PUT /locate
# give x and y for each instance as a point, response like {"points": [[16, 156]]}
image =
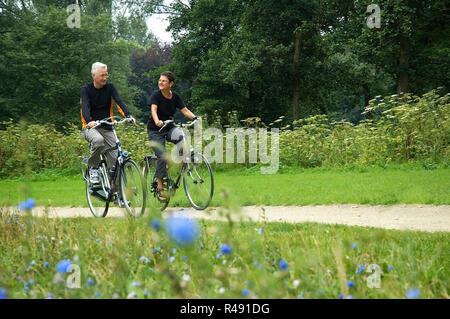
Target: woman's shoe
{"points": [[160, 195]]}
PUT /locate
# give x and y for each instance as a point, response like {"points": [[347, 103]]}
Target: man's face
{"points": [[100, 77]]}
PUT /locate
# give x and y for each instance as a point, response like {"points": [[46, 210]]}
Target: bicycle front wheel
{"points": [[198, 181], [97, 198], [132, 189]]}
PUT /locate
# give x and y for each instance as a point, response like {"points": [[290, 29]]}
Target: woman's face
{"points": [[164, 83]]}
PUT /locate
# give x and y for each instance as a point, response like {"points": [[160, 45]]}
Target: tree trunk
{"points": [[296, 73], [403, 65]]}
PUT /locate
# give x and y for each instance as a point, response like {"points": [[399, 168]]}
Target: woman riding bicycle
{"points": [[163, 105]]}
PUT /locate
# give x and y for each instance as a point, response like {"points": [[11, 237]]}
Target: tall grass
{"points": [[120, 258]]}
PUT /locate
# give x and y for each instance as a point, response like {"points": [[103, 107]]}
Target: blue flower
{"points": [[32, 263], [155, 250], [184, 258], [183, 231], [283, 264], [155, 224], [171, 259], [49, 296], [260, 230], [136, 284], [30, 282], [341, 296], [413, 293], [390, 268], [22, 206], [174, 251], [143, 259], [90, 282], [63, 265], [361, 268], [3, 293], [245, 292], [350, 284], [299, 297], [30, 203], [226, 249], [98, 294], [150, 269], [354, 245]]}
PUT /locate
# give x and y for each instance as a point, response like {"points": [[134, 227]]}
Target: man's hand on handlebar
{"points": [[92, 124]]}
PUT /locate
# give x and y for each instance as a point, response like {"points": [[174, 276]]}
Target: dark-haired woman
{"points": [[163, 105]]}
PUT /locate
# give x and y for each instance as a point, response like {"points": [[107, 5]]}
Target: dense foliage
{"points": [[398, 129]]}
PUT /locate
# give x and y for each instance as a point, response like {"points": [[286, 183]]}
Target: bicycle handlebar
{"points": [[114, 122], [167, 122]]}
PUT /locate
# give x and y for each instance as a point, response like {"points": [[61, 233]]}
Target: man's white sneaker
{"points": [[93, 176]]}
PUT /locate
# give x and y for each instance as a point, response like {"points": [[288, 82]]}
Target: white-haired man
{"points": [[96, 104]]}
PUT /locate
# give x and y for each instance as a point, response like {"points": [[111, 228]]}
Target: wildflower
{"points": [[136, 284], [171, 259], [174, 251], [155, 250], [3, 293], [155, 224], [390, 268], [150, 269], [361, 268], [349, 297], [354, 246], [90, 282], [221, 290], [22, 206], [186, 278], [413, 293], [226, 249], [183, 231], [245, 292], [32, 263], [49, 296], [283, 264], [132, 295], [260, 230], [143, 259], [62, 266], [341, 296], [299, 297], [98, 294], [184, 258], [146, 292], [350, 284], [30, 203]]}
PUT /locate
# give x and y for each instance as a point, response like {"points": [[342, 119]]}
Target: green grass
{"points": [[320, 260], [373, 185]]}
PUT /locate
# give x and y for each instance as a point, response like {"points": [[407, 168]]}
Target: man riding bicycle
{"points": [[97, 104]]}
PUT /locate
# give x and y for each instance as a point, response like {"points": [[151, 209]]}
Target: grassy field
{"points": [[296, 187], [126, 258]]}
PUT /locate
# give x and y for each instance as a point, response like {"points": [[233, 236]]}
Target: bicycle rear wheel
{"points": [[132, 189], [97, 198], [152, 184], [198, 181]]}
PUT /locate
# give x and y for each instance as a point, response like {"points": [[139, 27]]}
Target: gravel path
{"points": [[427, 218]]}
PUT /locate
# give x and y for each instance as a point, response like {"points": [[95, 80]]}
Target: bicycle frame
{"points": [[122, 156]]}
